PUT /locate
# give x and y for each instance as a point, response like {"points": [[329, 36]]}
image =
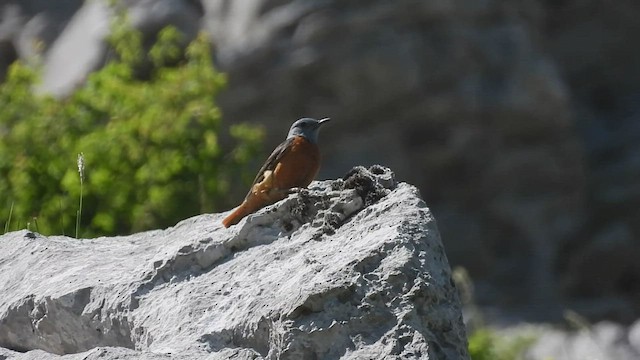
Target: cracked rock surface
{"points": [[348, 269]]}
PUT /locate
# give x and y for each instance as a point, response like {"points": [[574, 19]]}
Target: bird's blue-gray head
{"points": [[307, 128]]}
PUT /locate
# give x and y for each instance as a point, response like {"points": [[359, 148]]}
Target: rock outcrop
{"points": [[517, 119], [604, 340], [348, 269]]}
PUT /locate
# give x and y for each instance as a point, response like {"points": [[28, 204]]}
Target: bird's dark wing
{"points": [[273, 160]]}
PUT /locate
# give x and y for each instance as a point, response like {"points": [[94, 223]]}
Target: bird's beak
{"points": [[321, 121]]}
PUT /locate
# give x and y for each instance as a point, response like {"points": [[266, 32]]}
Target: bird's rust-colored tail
{"points": [[238, 214], [261, 195]]}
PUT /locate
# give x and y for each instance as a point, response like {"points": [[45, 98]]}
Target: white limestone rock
{"points": [[604, 340], [348, 269]]}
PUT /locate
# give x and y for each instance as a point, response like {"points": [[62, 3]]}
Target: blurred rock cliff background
{"points": [[519, 121]]}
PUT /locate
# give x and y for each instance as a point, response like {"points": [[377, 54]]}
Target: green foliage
{"points": [[486, 344], [152, 149]]}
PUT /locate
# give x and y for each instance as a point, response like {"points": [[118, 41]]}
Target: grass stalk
{"points": [[7, 225], [81, 172]]}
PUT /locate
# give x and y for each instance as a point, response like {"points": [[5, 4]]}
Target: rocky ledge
{"points": [[348, 269]]}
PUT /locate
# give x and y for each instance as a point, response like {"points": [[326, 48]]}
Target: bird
{"points": [[292, 164]]}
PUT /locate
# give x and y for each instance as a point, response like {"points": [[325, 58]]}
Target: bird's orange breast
{"points": [[299, 166]]}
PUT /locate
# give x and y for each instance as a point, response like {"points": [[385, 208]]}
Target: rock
{"points": [[85, 37], [601, 72], [604, 340], [634, 335], [33, 25], [604, 268], [350, 269], [5, 354], [517, 119]]}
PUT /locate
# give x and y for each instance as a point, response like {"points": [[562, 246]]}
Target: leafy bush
{"points": [[487, 344], [152, 150]]}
